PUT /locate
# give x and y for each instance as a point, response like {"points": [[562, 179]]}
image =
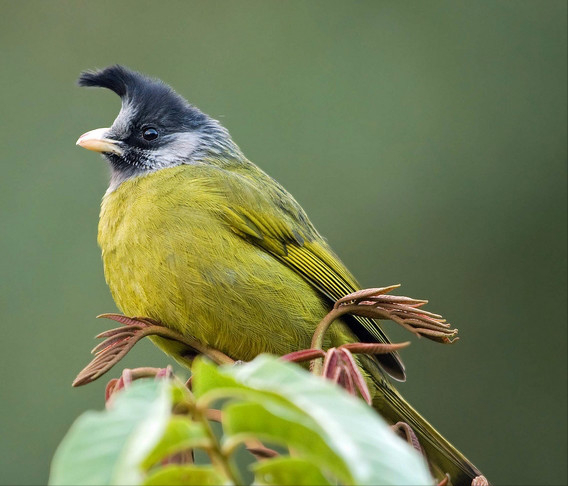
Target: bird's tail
{"points": [[442, 456]]}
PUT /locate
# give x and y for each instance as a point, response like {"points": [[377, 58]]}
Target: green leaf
{"points": [[274, 422], [180, 435], [108, 447], [180, 394], [188, 475], [288, 471], [206, 377], [357, 435]]}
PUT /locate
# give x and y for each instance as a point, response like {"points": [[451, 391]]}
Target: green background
{"points": [[427, 141]]}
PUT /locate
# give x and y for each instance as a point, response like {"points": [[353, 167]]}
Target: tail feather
{"points": [[442, 456]]}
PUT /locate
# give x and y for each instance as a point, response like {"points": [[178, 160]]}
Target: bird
{"points": [[199, 238]]}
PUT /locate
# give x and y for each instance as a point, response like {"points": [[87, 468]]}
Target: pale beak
{"points": [[96, 141]]}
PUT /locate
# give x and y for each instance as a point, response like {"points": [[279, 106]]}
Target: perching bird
{"points": [[197, 237]]}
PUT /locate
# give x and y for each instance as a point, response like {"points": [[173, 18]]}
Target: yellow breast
{"points": [[168, 255]]}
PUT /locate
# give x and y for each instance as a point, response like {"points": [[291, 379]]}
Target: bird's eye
{"points": [[150, 134]]}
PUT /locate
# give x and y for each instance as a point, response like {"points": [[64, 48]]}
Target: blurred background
{"points": [[426, 140]]}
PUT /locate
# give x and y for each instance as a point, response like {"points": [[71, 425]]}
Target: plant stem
{"points": [[217, 455], [319, 333]]}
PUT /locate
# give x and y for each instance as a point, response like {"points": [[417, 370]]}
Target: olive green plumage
{"points": [[201, 250], [180, 246], [198, 238]]}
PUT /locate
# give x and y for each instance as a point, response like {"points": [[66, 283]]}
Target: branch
{"points": [[405, 311], [372, 303], [121, 340]]}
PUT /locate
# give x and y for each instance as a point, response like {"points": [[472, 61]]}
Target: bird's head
{"points": [[155, 129]]}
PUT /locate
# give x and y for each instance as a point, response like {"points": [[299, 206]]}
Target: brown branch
{"points": [[373, 303], [120, 341]]}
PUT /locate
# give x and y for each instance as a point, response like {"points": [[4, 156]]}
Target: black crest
{"points": [[129, 85], [116, 78], [149, 96]]}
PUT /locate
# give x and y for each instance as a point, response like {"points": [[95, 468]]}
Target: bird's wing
{"points": [[264, 213]]}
